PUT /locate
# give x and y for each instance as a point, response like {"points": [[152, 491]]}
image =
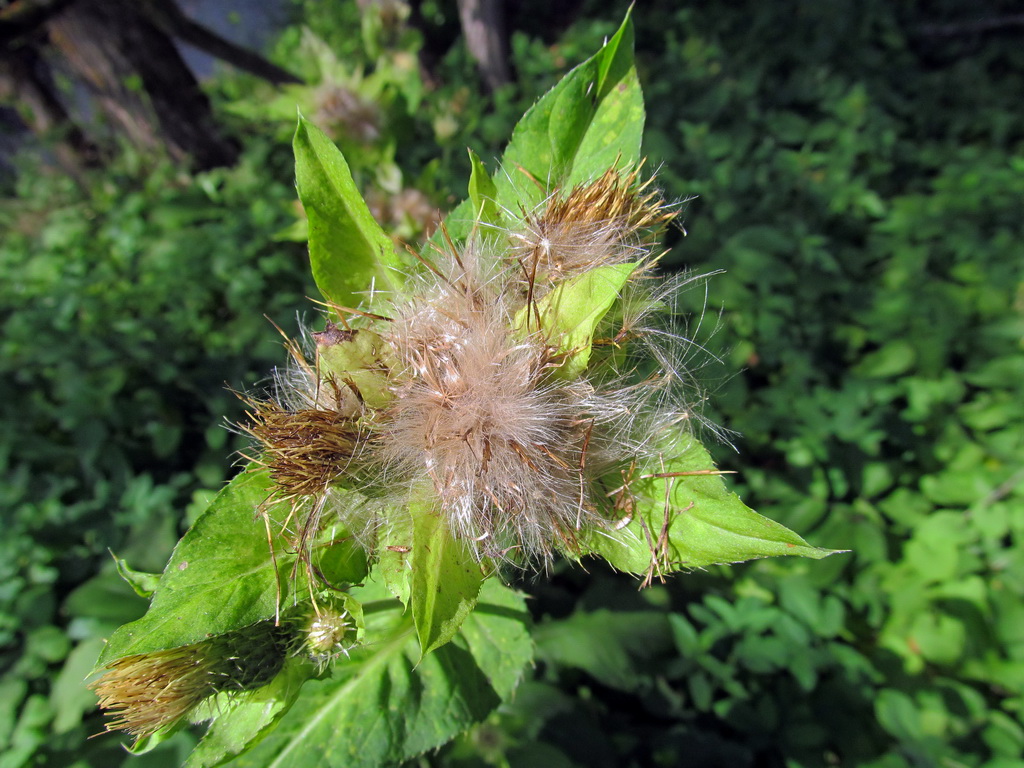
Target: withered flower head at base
{"points": [[147, 692]]}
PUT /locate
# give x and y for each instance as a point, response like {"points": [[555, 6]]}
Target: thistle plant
{"points": [[515, 392]]}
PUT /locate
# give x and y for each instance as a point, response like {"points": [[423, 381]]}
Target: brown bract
{"points": [[305, 450], [611, 220]]}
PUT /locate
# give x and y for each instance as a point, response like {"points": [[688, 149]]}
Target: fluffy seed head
{"points": [[476, 412], [463, 394]]}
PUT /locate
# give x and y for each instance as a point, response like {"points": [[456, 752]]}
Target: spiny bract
{"points": [[147, 692]]}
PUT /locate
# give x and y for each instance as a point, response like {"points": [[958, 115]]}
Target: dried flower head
{"points": [[612, 220], [406, 215], [306, 450], [346, 113], [148, 692]]}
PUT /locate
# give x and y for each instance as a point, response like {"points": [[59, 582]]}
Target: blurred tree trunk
{"points": [[123, 51], [169, 17], [24, 81], [483, 26], [139, 79]]}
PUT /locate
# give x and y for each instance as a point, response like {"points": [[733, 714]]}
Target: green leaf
{"points": [[689, 521], [338, 559], [394, 564], [590, 121], [359, 360], [568, 315], [146, 744], [458, 225], [221, 576], [497, 633], [386, 704], [482, 196], [445, 580], [347, 249], [141, 583], [240, 720]]}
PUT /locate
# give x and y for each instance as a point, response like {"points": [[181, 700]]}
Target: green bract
{"points": [[347, 249], [570, 313]]}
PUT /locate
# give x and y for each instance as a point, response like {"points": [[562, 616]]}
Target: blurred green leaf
{"points": [[894, 359], [12, 692], [609, 645], [69, 697], [939, 638]]}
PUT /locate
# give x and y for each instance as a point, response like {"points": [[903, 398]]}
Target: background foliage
{"points": [[859, 178]]}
